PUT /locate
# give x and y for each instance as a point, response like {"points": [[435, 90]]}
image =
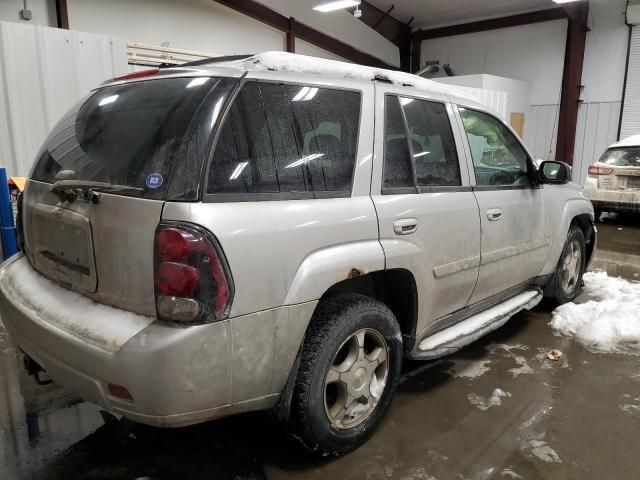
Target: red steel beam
{"points": [[577, 30], [62, 14], [556, 13], [291, 36], [274, 19]]}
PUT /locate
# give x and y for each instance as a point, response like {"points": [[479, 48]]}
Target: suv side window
{"points": [[281, 138], [498, 157], [243, 159], [419, 144], [398, 171]]}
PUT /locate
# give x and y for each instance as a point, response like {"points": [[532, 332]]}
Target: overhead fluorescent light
{"points": [[305, 94], [336, 5], [304, 160], [108, 100], [566, 1], [197, 81], [236, 173], [421, 154]]}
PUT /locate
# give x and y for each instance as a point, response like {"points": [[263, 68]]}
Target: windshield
{"points": [[622, 157], [125, 135]]}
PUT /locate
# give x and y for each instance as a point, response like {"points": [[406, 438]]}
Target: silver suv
{"points": [[279, 233]]}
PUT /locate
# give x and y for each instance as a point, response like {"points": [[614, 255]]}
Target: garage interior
{"points": [[564, 74]]}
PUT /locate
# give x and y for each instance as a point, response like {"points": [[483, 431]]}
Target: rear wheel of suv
{"points": [[348, 372], [565, 283]]}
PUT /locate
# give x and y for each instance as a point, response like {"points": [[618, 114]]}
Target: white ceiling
{"points": [[430, 13]]}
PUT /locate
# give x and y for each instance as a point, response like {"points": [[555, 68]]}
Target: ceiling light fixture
{"points": [[565, 1], [336, 5]]}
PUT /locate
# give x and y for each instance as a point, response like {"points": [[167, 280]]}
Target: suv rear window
{"points": [[287, 139], [125, 134], [622, 157]]}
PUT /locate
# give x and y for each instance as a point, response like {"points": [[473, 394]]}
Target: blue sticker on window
{"points": [[154, 180]]}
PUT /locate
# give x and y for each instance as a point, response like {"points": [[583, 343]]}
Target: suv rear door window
{"points": [[124, 134], [419, 144], [432, 144], [398, 171], [282, 138]]}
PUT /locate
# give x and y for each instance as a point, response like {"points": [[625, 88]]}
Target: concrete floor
{"points": [[574, 419]]}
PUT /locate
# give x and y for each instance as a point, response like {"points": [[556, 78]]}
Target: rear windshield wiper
{"points": [[67, 189]]}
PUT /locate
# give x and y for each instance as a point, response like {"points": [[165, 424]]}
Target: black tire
{"points": [[334, 322], [597, 213], [555, 288]]}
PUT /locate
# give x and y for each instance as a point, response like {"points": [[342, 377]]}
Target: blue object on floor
{"points": [[7, 226]]}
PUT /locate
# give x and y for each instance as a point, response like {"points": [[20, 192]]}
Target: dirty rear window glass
{"points": [[281, 138], [124, 134], [622, 157]]}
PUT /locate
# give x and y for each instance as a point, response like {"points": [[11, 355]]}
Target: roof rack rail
{"points": [[208, 61], [382, 78]]}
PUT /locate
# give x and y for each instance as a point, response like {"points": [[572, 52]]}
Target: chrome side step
{"points": [[462, 334]]}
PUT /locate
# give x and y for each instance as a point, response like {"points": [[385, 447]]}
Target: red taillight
{"points": [[177, 279], [596, 170], [139, 74], [174, 245], [192, 281]]}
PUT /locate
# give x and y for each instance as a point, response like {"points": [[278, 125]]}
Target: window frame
{"points": [[419, 189], [534, 184], [276, 196]]}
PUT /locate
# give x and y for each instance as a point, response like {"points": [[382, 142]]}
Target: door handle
{"points": [[405, 226], [494, 214]]}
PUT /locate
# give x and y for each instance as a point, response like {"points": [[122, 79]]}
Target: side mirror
{"points": [[554, 172]]}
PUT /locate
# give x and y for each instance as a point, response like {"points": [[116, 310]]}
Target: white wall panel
{"points": [[541, 131], [597, 129], [631, 115], [531, 53], [43, 72]]}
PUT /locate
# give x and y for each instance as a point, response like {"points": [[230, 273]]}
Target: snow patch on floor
{"points": [[608, 323], [469, 368], [484, 404], [507, 349], [508, 473], [631, 408], [544, 452], [523, 367], [417, 473]]}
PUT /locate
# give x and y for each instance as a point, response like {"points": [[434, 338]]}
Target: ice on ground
{"points": [[417, 473], [507, 349], [469, 368], [544, 452], [631, 409], [523, 367], [508, 473], [485, 404], [608, 323]]}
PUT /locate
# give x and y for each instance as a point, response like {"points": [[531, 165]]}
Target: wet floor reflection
{"points": [[577, 418]]}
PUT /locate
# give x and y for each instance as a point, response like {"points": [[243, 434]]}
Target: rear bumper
{"points": [[614, 200], [176, 375]]}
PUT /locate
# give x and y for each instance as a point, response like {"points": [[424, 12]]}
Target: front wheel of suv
{"points": [[567, 279], [349, 369]]}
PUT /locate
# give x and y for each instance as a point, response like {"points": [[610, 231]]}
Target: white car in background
{"points": [[613, 182]]}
